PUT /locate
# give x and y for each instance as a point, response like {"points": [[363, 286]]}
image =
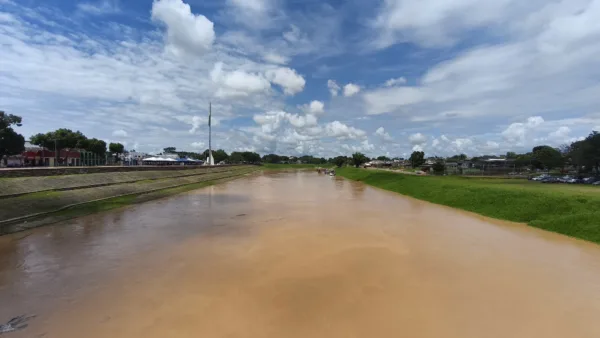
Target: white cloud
{"points": [[119, 133], [391, 99], [417, 148], [418, 139], [517, 133], [350, 89], [395, 82], [276, 58], [342, 131], [237, 83], [187, 33], [254, 14], [100, 7], [286, 78], [383, 134], [314, 108], [198, 122], [197, 145], [333, 87]]}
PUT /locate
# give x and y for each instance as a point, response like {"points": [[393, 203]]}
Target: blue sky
{"points": [[306, 77]]}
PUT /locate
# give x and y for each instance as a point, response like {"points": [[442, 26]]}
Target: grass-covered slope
{"points": [[572, 210]]}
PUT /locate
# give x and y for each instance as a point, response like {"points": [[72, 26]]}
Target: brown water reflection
{"points": [[298, 255]]}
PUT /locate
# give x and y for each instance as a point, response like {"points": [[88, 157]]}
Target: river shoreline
{"points": [[568, 210]]}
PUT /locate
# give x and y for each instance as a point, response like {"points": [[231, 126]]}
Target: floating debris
{"points": [[17, 323]]}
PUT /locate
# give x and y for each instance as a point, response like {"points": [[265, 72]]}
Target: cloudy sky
{"points": [[384, 77]]}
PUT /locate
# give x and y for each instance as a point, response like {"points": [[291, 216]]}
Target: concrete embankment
{"points": [[33, 201]]}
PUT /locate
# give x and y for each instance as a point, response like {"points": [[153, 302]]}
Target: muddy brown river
{"points": [[297, 254]]}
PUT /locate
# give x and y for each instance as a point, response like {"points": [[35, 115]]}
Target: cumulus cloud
{"points": [[186, 32], [119, 133], [287, 78], [395, 82], [333, 87], [516, 133], [350, 89], [237, 83], [314, 107], [342, 131], [417, 139], [198, 122], [383, 134]]}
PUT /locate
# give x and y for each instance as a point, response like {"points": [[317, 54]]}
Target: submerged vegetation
{"points": [[569, 210]]}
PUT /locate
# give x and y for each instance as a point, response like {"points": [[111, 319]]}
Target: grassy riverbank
{"points": [[272, 166], [44, 207], [566, 209]]}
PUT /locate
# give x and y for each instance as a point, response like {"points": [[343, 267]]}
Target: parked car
{"points": [[550, 179], [574, 181], [565, 179], [590, 180], [541, 177], [596, 183]]}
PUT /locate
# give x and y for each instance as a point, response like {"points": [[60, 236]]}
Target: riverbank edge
{"points": [[109, 203], [581, 225]]}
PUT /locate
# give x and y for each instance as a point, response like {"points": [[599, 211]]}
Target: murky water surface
{"points": [[297, 255]]}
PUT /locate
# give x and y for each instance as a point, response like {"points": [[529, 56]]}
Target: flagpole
{"points": [[210, 158]]}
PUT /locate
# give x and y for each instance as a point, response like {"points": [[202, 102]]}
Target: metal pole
{"points": [[209, 133]]}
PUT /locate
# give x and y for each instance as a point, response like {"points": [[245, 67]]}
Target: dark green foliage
{"points": [[417, 158], [358, 159], [11, 142]]}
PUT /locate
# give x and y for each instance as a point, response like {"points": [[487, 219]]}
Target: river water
{"points": [[297, 255]]}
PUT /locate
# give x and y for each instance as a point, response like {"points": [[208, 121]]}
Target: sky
{"points": [[306, 77]]}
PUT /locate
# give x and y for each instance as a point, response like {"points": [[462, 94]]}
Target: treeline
{"points": [[219, 155]]}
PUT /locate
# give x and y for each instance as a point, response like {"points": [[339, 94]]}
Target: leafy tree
{"points": [[358, 159], [438, 167], [236, 157], [417, 158], [60, 139], [340, 161], [218, 155], [271, 158], [170, 150], [511, 155], [11, 142], [586, 153], [117, 149], [96, 146], [548, 157], [383, 158], [523, 160]]}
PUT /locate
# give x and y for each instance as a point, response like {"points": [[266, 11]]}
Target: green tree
{"points": [[586, 153], [236, 157], [511, 155], [170, 150], [271, 158], [548, 157], [218, 155], [358, 159], [339, 161], [383, 158], [11, 142], [417, 158], [117, 149], [96, 146], [438, 167], [60, 139]]}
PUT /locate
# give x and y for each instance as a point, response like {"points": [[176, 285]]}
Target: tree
{"points": [[170, 150], [511, 155], [586, 153], [96, 146], [383, 158], [340, 161], [117, 149], [417, 158], [236, 157], [523, 160], [548, 157], [358, 159], [60, 139], [218, 155], [438, 167], [11, 142], [271, 158]]}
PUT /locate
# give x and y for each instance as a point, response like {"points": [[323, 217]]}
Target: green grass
{"points": [[571, 210], [272, 166]]}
